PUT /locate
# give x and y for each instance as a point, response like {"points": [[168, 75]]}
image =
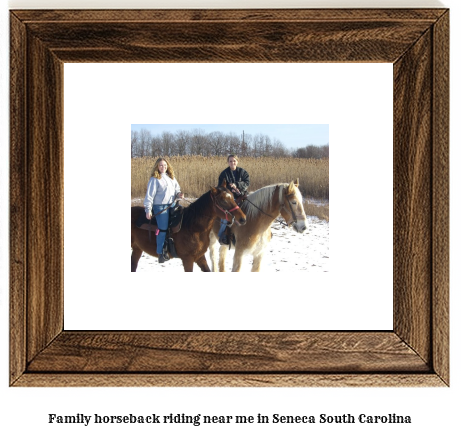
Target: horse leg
{"points": [[202, 263], [188, 264], [237, 263], [213, 252], [135, 256], [260, 249], [257, 262], [222, 257]]}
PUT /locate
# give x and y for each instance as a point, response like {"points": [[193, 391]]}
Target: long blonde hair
{"points": [[169, 170]]}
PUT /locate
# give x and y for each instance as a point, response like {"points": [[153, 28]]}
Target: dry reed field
{"points": [[196, 174]]}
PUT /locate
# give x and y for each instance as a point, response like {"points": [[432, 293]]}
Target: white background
{"points": [[432, 410], [101, 103]]}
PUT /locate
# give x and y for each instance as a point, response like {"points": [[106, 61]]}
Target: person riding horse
{"points": [[162, 191], [238, 181]]}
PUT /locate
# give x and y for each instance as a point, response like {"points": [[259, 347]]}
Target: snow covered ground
{"points": [[287, 251]]}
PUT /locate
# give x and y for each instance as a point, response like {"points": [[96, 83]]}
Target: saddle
{"points": [[174, 226], [174, 222]]}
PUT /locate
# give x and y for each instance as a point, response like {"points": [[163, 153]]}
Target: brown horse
{"points": [[261, 208], [192, 241]]}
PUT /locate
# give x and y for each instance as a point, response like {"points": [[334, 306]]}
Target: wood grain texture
{"points": [[18, 189], [235, 352], [440, 211], [413, 196], [414, 354], [204, 15], [229, 41], [230, 36], [230, 380], [45, 200]]}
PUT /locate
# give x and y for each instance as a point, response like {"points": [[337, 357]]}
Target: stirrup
{"points": [[171, 248], [166, 256], [224, 240]]}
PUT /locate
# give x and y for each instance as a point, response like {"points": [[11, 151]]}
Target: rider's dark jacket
{"points": [[241, 179]]}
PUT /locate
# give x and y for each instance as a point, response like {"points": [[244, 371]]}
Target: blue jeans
{"points": [[162, 223], [222, 228]]}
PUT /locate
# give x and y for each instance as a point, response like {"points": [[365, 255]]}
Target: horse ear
{"points": [[213, 191], [297, 182], [223, 183]]}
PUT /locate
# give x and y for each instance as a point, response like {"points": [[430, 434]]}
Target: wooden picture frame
{"points": [[414, 353]]}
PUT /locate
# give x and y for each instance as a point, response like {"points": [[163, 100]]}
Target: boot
{"points": [[162, 258]]}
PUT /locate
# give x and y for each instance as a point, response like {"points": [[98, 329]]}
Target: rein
{"points": [[295, 220], [270, 216], [226, 212]]}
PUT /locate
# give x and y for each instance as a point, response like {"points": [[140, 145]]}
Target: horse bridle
{"points": [[293, 215], [226, 212]]}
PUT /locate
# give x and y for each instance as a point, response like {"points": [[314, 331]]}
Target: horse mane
{"points": [[195, 209], [263, 198]]}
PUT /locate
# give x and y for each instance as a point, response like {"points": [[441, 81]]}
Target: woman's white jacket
{"points": [[160, 191]]}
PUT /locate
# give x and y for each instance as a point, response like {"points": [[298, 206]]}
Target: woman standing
{"points": [[238, 181], [161, 194]]}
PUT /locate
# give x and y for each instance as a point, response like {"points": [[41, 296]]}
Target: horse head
{"points": [[292, 210], [225, 205]]}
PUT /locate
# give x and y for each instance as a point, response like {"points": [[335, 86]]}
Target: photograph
{"points": [[231, 108], [230, 198]]}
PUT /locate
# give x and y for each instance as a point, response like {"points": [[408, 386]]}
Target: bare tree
{"points": [[216, 143], [233, 144], [182, 140], [257, 149], [279, 149], [267, 146], [156, 147], [167, 143], [312, 152], [325, 151], [134, 143], [199, 142], [145, 138]]}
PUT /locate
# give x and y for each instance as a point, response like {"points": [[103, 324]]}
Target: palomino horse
{"points": [[192, 241], [261, 209]]}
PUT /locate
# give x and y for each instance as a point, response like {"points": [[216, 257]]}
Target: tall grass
{"points": [[196, 174], [321, 211]]}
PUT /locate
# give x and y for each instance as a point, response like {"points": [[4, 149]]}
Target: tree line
{"points": [[198, 143], [312, 152]]}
